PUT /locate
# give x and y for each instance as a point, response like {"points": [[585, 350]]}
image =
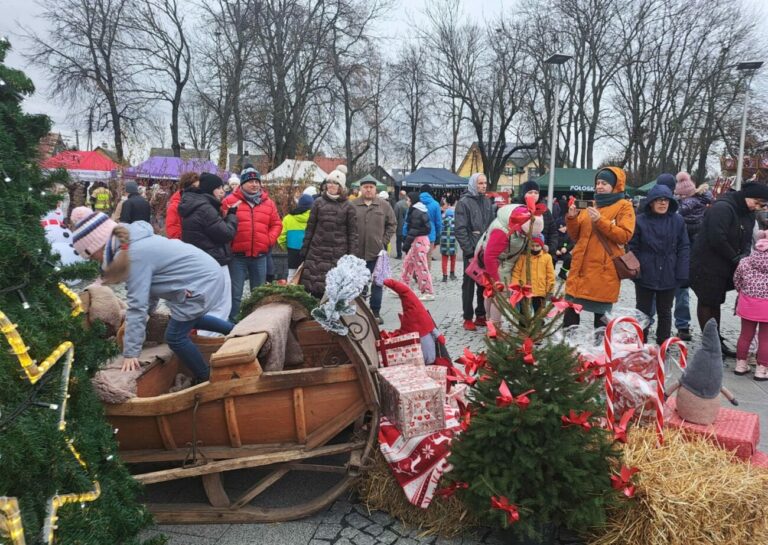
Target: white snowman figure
{"points": [[59, 237]]}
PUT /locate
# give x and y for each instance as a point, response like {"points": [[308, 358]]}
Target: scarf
{"points": [[254, 199], [333, 197], [607, 199]]}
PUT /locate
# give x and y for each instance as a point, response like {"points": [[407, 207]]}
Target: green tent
{"points": [[368, 178], [644, 189], [569, 180]]}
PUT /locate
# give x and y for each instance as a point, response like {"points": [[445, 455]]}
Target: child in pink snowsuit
{"points": [[417, 247], [751, 281]]}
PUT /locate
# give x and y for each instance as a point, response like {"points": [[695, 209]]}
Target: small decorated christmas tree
{"points": [[61, 480], [533, 453]]}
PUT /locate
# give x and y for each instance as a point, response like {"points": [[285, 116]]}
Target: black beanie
{"points": [[425, 188], [209, 182], [606, 176], [755, 191], [415, 197], [529, 186]]}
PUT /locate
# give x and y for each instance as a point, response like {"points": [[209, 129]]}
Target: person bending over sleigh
{"points": [[154, 267]]}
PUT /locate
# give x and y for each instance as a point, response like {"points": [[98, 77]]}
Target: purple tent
{"points": [[171, 168]]}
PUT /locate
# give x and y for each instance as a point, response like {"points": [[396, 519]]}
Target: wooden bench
{"points": [[238, 358]]}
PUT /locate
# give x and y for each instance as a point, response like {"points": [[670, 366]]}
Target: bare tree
{"points": [[159, 45], [84, 53], [199, 124]]}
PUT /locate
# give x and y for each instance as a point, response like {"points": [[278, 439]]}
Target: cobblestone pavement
{"points": [[349, 523]]}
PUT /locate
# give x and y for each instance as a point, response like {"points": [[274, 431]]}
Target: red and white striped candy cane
{"points": [[607, 346], [661, 379]]}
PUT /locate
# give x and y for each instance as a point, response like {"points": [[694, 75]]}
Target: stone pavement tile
{"points": [[286, 533], [210, 531], [328, 531], [350, 532], [319, 542], [357, 520], [387, 538], [364, 539], [374, 529]]}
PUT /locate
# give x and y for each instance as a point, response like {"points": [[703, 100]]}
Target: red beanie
{"points": [[415, 318]]}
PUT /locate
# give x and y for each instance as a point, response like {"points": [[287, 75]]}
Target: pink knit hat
{"points": [[685, 186], [91, 230], [762, 245]]}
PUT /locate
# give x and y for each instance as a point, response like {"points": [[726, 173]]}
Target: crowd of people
{"points": [[219, 235]]}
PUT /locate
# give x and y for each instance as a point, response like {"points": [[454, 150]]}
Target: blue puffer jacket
{"points": [[435, 215], [661, 244]]}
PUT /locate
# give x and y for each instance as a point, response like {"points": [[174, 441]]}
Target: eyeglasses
{"points": [[662, 199]]}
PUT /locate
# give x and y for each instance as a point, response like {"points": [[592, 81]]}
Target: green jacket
{"points": [[294, 226]]}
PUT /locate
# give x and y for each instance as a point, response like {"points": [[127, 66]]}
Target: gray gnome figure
{"points": [[702, 381]]}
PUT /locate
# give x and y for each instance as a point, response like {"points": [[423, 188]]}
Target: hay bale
{"points": [[378, 490], [688, 491]]}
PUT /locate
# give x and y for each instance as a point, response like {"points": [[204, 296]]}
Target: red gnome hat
{"points": [[414, 317]]}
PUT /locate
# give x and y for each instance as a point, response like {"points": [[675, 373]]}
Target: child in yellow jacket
{"points": [[542, 280]]}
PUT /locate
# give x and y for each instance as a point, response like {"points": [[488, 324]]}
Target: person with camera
{"points": [[599, 230], [661, 245]]}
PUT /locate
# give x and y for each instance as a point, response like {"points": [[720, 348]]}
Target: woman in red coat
{"points": [[258, 226], [172, 217]]}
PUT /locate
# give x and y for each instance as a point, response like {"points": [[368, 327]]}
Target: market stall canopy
{"points": [[298, 171], [569, 180], [644, 189], [379, 186], [171, 168], [87, 166], [438, 178]]}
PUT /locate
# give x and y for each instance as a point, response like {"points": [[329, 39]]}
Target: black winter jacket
{"points": [[203, 226], [474, 213], [135, 208], [725, 236], [419, 225]]}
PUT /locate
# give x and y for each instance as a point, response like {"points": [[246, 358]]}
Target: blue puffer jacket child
{"points": [[435, 215], [660, 243]]}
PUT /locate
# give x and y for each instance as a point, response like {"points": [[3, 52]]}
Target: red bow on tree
{"points": [[455, 375], [472, 362], [451, 489], [466, 420], [620, 430], [594, 368], [527, 350], [491, 334], [518, 292], [623, 481], [561, 305], [502, 504], [577, 419], [506, 398], [491, 287]]}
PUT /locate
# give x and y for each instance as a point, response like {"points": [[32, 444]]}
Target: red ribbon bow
{"points": [[451, 489], [455, 375], [561, 305], [491, 287], [527, 350], [506, 398], [518, 292], [472, 362], [620, 431], [466, 420], [502, 504], [577, 419], [623, 481]]}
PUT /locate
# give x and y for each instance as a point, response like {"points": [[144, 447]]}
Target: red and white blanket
{"points": [[419, 462]]}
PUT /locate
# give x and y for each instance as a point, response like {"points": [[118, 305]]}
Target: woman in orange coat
{"points": [[592, 280]]}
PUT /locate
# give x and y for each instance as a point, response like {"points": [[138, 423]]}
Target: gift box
{"points": [[738, 431], [759, 459], [411, 400], [400, 350]]}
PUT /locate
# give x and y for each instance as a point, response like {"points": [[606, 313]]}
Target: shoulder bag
{"points": [[627, 264]]}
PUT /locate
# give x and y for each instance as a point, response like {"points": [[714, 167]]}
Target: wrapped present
{"points": [[412, 400], [759, 459], [738, 431], [400, 350], [438, 373]]}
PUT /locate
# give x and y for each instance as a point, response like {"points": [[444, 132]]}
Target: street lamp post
{"points": [[555, 60], [750, 68]]}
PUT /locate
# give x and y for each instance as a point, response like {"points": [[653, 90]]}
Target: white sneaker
{"points": [[761, 373], [742, 368], [426, 297]]}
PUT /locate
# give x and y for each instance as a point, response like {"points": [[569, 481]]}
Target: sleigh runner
{"points": [[319, 415]]}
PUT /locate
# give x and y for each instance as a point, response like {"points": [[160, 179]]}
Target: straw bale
{"points": [[688, 492], [378, 490]]}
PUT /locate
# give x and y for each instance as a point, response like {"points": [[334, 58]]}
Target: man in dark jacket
{"points": [[135, 207], [724, 238], [401, 209], [550, 225], [474, 213], [376, 224], [203, 226]]}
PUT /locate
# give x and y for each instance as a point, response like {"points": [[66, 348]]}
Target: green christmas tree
{"points": [[533, 454], [40, 456]]}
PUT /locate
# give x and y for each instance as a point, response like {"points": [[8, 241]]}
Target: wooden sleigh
{"points": [[320, 419]]}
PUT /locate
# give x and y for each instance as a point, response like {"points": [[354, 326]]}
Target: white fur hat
{"points": [[338, 176], [310, 190], [234, 179]]}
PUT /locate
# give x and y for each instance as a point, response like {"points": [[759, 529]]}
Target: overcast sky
{"points": [[399, 25]]}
